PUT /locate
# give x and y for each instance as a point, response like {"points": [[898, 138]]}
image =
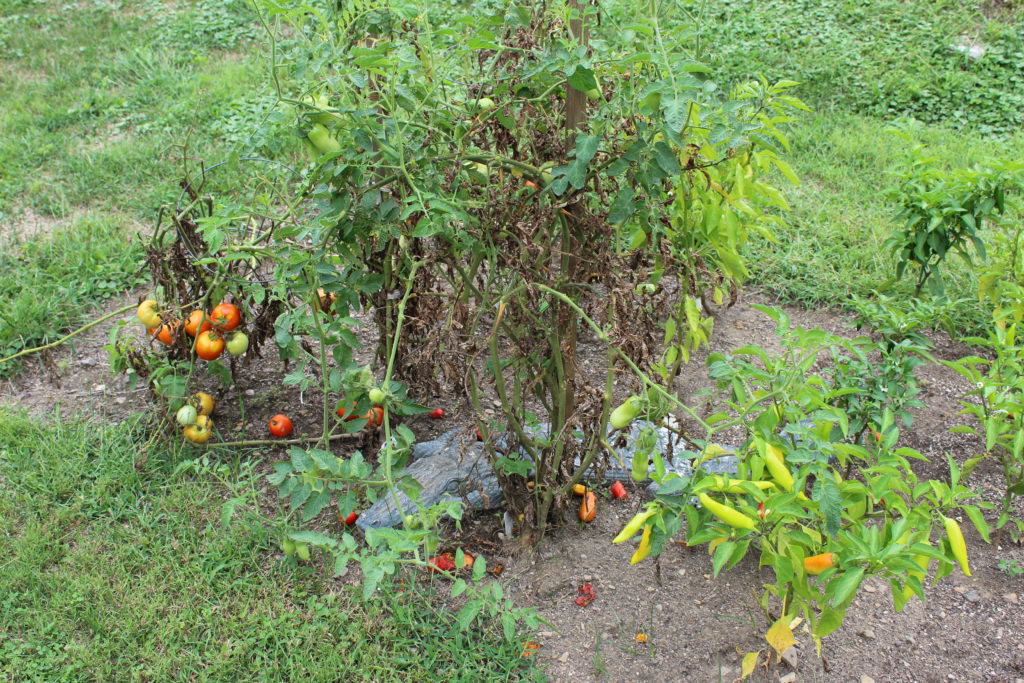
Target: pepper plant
{"points": [[822, 510]]}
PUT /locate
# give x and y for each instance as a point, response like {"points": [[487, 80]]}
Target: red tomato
{"points": [[280, 426], [437, 413], [442, 563], [226, 316], [350, 520], [209, 345], [585, 595], [618, 490]]}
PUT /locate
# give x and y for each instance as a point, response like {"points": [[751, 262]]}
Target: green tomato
{"points": [[485, 103], [238, 344], [320, 102], [186, 416], [377, 396], [622, 416], [302, 550], [288, 546], [478, 173], [322, 139]]}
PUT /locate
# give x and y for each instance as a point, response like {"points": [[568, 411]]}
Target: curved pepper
{"points": [[633, 526], [956, 543], [730, 516], [777, 467], [644, 549]]}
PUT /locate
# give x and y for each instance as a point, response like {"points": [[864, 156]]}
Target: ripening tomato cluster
{"points": [[208, 329], [194, 417]]}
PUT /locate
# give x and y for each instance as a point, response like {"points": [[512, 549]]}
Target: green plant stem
{"points": [[80, 330]]}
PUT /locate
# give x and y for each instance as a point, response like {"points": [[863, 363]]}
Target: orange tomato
{"points": [[209, 345], [166, 332], [226, 316], [819, 563], [374, 417], [588, 507], [197, 323]]}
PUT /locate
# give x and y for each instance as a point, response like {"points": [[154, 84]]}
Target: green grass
{"points": [[118, 570], [53, 283], [103, 103], [883, 58], [864, 67]]}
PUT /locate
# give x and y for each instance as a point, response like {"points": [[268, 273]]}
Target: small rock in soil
{"points": [[790, 657], [868, 633], [972, 596], [1010, 597], [866, 679], [564, 657], [788, 678]]}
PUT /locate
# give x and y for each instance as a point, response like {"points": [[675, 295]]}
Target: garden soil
{"points": [[663, 620]]}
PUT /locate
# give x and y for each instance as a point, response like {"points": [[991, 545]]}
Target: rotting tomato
{"points": [[166, 332], [209, 345], [203, 402], [198, 322], [226, 316], [280, 426], [201, 431], [441, 563], [585, 595]]}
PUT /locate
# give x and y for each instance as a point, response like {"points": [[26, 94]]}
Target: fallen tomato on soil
{"points": [[618, 490], [350, 520], [442, 563], [585, 595], [436, 413], [280, 426], [201, 431], [203, 402]]}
